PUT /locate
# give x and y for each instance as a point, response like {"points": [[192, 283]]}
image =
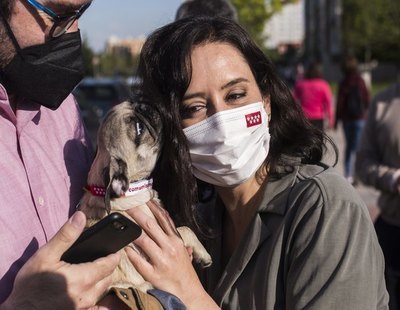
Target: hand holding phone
{"points": [[107, 236]]}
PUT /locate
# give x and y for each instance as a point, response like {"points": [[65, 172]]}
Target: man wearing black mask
{"points": [[44, 159]]}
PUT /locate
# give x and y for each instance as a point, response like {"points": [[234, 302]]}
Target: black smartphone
{"points": [[107, 236]]}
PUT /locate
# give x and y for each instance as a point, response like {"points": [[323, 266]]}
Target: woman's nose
{"points": [[215, 106]]}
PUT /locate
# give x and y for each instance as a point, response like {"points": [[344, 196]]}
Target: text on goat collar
{"points": [[134, 188]]}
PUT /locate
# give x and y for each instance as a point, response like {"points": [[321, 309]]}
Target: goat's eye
{"points": [[139, 128]]}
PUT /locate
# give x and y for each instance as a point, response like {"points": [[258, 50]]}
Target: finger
{"points": [[102, 287], [102, 267], [91, 280], [149, 226], [155, 232], [149, 247], [142, 266], [65, 237], [163, 218]]}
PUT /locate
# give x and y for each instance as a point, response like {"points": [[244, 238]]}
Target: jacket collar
{"points": [[277, 188]]}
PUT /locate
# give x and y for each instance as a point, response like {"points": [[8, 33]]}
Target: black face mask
{"points": [[45, 73]]}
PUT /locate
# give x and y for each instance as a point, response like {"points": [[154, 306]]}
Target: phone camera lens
{"points": [[118, 225]]}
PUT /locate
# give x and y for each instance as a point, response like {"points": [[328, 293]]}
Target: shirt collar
{"points": [[3, 95], [5, 107]]}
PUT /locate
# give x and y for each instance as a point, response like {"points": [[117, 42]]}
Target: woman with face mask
{"points": [[242, 165]]}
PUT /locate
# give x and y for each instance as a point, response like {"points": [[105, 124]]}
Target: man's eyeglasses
{"points": [[61, 22]]}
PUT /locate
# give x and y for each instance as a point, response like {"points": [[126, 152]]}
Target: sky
{"points": [[124, 19]]}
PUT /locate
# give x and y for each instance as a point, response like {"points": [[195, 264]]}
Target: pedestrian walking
{"points": [[314, 95], [351, 109]]}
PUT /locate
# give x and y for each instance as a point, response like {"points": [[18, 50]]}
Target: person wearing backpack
{"points": [[351, 108]]}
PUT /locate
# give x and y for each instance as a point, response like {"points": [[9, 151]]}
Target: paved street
{"points": [[368, 194]]}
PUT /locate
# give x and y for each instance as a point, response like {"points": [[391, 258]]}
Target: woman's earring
{"points": [[269, 117]]}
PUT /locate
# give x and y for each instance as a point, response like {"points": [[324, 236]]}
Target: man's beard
{"points": [[7, 50]]}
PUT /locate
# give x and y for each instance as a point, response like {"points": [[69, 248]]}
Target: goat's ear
{"points": [[116, 179]]}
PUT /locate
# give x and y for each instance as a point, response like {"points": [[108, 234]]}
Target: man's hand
{"points": [[46, 282]]}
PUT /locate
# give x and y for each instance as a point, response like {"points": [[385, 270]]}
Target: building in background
{"points": [[312, 28], [284, 32], [286, 28], [323, 34], [124, 47]]}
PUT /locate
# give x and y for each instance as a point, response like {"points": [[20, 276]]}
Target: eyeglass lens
{"points": [[60, 27], [64, 23]]}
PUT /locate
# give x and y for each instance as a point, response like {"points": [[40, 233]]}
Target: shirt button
{"points": [[41, 201]]}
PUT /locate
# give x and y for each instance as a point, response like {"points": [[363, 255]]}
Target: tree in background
{"points": [[117, 64], [371, 29], [88, 56], [253, 15], [108, 64]]}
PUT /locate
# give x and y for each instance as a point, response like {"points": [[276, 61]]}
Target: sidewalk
{"points": [[368, 194]]}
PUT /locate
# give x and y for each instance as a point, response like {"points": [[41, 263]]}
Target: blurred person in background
{"points": [[222, 8], [314, 95], [351, 108], [378, 165]]}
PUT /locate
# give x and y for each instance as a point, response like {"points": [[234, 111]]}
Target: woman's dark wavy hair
{"points": [[165, 69]]}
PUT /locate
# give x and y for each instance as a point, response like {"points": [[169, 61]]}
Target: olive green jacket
{"points": [[312, 245]]}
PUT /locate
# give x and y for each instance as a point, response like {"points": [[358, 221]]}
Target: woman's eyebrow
{"points": [[194, 95], [203, 95], [233, 82]]}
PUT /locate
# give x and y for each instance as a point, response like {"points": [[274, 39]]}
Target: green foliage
{"points": [[108, 64], [88, 55], [253, 14], [371, 29], [117, 65], [272, 54]]}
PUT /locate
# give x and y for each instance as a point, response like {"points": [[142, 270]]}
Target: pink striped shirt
{"points": [[44, 160], [316, 99]]}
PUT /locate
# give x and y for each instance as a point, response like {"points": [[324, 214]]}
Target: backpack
{"points": [[354, 102]]}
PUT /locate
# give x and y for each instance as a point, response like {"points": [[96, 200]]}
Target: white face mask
{"points": [[227, 148]]}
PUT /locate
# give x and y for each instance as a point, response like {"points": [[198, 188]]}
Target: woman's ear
{"points": [[267, 106]]}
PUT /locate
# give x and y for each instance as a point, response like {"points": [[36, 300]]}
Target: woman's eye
{"points": [[190, 111], [235, 96]]}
